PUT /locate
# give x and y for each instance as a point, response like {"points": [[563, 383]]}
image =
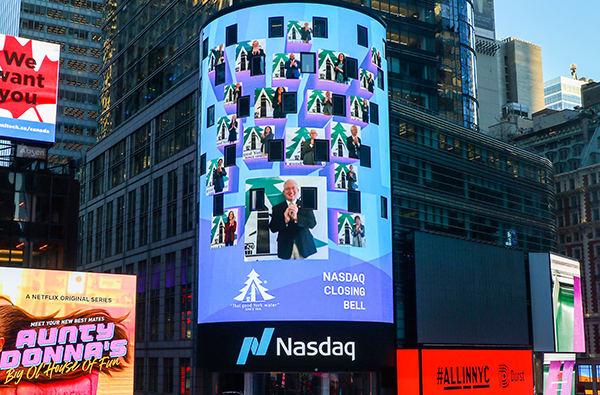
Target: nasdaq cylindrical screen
{"points": [[295, 178]]}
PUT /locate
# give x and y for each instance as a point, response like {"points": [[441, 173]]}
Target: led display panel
{"points": [[486, 372], [28, 89], [286, 247], [469, 293], [66, 332]]}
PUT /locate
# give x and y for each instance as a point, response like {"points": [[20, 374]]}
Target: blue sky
{"points": [[567, 31]]}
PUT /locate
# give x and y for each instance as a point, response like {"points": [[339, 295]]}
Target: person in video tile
{"points": [[306, 33], [230, 229], [307, 151], [358, 233], [219, 176], [293, 223], [256, 59], [353, 143], [265, 137], [292, 68]]}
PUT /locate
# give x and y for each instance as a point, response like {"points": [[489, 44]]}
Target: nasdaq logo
{"points": [[252, 345]]}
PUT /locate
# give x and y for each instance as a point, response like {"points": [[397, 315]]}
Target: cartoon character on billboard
{"points": [[59, 354]]}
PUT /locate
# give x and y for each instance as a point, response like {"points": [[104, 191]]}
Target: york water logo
{"points": [[253, 291], [298, 348]]}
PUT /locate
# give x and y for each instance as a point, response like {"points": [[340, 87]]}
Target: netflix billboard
{"points": [[66, 332], [28, 89]]}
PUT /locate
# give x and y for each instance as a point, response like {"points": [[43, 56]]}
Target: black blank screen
{"points": [[469, 293]]}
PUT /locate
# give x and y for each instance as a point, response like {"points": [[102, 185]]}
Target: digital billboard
{"points": [[66, 332], [28, 89], [470, 293], [296, 191], [487, 372], [567, 304]]}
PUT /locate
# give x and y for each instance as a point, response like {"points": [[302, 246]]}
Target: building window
{"points": [[157, 212], [116, 172], [577, 253], [168, 376], [308, 61], [172, 203], [320, 27], [131, 203], [362, 36], [144, 202], [276, 27], [339, 105], [374, 109], [210, 116], [289, 102], [380, 79], [243, 107], [205, 48], [231, 35], [384, 208], [119, 233], [152, 374], [185, 376], [574, 218], [354, 205], [187, 217], [139, 375], [220, 74]]}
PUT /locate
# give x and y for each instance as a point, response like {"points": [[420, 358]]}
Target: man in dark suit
{"points": [[292, 68], [353, 143], [307, 150], [256, 59], [293, 223]]}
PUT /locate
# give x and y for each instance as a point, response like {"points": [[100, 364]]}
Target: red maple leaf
{"points": [[17, 94]]}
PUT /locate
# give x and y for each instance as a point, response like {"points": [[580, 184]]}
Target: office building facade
{"points": [[509, 74], [562, 93], [569, 138], [38, 213]]}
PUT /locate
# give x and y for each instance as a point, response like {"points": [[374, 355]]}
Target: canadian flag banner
{"points": [[28, 89]]}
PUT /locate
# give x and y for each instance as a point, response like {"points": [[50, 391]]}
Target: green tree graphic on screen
{"points": [[338, 132], [312, 98], [248, 132], [302, 134], [342, 218], [278, 58], [324, 55]]}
